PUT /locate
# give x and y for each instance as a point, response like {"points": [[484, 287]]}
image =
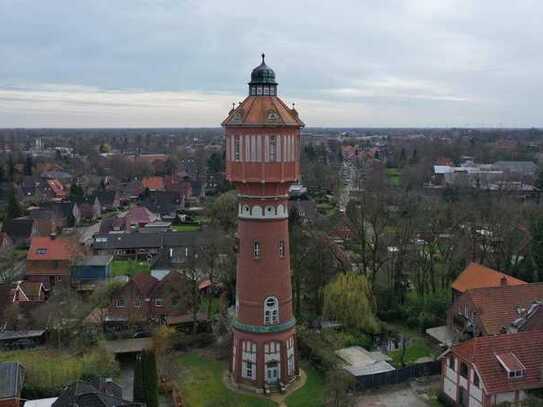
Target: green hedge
{"points": [[146, 379]]}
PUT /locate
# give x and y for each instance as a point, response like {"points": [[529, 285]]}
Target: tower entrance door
{"points": [[272, 372]]}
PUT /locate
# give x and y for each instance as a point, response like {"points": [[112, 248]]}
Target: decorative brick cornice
{"points": [[263, 329]]}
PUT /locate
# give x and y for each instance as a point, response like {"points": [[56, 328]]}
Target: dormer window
{"points": [[41, 251], [476, 381], [512, 365]]}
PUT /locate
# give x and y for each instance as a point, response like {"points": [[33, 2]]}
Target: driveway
{"points": [[390, 396]]}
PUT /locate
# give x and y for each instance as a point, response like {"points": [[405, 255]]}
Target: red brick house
{"points": [[496, 310], [49, 260], [145, 298], [490, 370], [476, 275]]}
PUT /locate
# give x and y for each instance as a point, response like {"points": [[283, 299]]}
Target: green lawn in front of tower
{"points": [[312, 393], [201, 383]]}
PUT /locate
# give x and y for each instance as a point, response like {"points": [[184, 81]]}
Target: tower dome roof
{"points": [[263, 74]]}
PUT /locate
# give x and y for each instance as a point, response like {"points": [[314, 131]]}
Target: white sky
{"points": [[175, 63]]}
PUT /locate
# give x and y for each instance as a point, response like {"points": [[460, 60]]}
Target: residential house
{"points": [[12, 376], [488, 370], [68, 211], [91, 270], [305, 209], [497, 310], [49, 260], [110, 200], [144, 246], [131, 191], [139, 216], [147, 298], [98, 393], [90, 208], [20, 230], [476, 275], [46, 221], [163, 203]]}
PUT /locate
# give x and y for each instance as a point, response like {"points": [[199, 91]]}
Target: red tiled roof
{"points": [[154, 183], [497, 306], [45, 248], [139, 215], [481, 352], [478, 276], [56, 187], [145, 283], [254, 111]]}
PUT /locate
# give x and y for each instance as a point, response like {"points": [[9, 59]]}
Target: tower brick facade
{"points": [[262, 137]]}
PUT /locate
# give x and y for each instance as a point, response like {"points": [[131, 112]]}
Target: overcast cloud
{"points": [[175, 63]]}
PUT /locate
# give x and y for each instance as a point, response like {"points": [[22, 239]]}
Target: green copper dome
{"points": [[262, 74]]}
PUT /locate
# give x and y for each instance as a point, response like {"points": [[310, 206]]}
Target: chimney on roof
{"points": [[53, 236], [503, 281]]}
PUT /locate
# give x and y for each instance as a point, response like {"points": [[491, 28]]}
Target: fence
{"points": [[399, 375]]}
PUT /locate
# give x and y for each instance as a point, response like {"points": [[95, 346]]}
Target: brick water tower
{"points": [[262, 160]]}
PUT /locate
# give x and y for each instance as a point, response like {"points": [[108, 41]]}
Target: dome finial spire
{"points": [[263, 56]]}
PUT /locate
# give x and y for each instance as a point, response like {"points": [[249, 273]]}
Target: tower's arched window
{"points": [[281, 248], [257, 249], [271, 311]]}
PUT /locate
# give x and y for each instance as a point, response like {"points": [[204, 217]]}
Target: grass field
{"points": [[186, 228], [128, 267], [48, 371], [312, 394], [202, 386], [415, 350]]}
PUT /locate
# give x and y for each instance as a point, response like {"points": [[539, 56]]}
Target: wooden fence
{"points": [[399, 375]]}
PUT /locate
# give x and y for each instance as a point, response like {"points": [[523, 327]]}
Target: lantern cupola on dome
{"points": [[263, 80]]}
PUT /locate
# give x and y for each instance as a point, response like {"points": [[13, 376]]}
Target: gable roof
{"points": [[497, 306], [254, 111], [139, 215], [144, 282], [84, 394], [11, 380], [476, 275], [46, 248], [482, 351], [136, 240]]}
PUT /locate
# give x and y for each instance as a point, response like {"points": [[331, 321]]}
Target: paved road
{"points": [[391, 396]]}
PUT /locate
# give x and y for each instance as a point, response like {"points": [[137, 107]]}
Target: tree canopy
{"points": [[348, 299]]}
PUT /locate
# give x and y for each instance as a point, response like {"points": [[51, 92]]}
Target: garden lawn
{"points": [[393, 175], [128, 267], [418, 348], [312, 394], [47, 371], [186, 228], [201, 381]]}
